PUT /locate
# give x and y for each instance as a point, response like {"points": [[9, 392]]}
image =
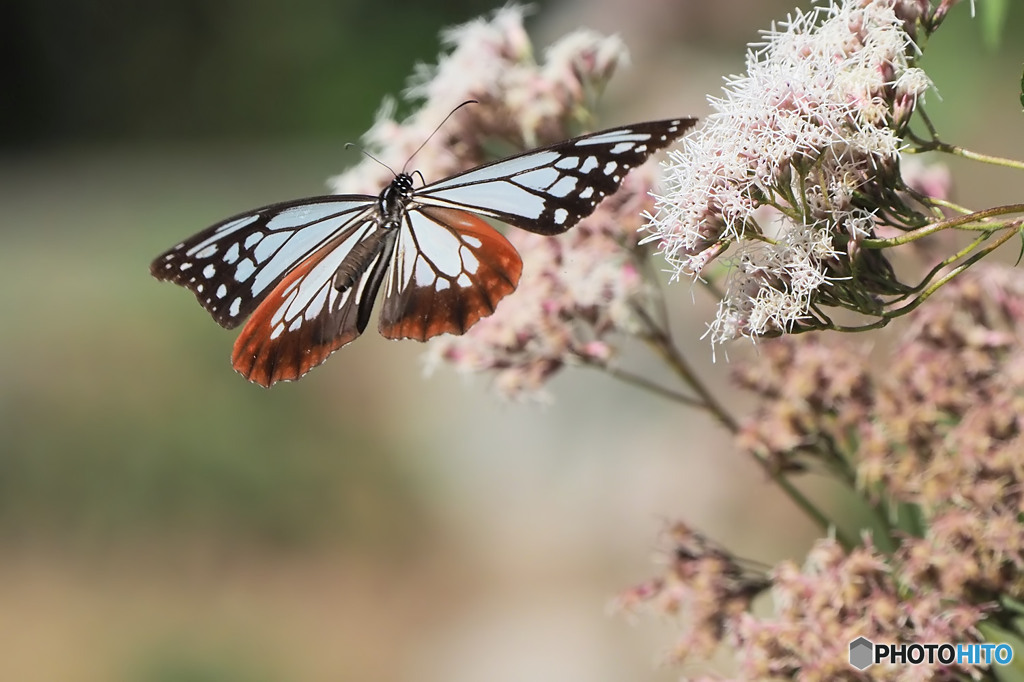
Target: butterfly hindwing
{"points": [[233, 265], [310, 313], [450, 269], [549, 190]]}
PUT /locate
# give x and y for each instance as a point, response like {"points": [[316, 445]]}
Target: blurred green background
{"points": [[161, 520]]}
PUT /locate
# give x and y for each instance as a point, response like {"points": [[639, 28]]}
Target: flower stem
{"points": [[935, 144], [661, 341], [959, 222], [949, 276], [642, 382]]}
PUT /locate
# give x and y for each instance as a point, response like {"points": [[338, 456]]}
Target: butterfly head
{"points": [[394, 199]]}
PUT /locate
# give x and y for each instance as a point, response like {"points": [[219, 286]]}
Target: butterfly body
{"points": [[393, 200], [306, 272]]}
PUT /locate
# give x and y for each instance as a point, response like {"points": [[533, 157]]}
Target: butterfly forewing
{"points": [[449, 270], [233, 265], [549, 190]]}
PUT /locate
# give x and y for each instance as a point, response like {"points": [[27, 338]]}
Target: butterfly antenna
{"points": [[370, 156], [468, 101]]}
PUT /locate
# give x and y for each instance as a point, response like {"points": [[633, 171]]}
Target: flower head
{"points": [[816, 120]]}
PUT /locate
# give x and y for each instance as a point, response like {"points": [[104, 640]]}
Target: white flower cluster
{"points": [[816, 119]]}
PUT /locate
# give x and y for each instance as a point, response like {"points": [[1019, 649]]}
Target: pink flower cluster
{"points": [[932, 438], [523, 103]]}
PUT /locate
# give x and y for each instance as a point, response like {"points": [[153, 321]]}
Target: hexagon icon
{"points": [[861, 653]]}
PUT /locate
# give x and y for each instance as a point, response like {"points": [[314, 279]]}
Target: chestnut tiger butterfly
{"points": [[306, 272]]}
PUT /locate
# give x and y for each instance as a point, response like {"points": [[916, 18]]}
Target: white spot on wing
{"points": [[589, 164], [496, 171], [244, 270], [301, 245], [222, 291], [560, 215], [267, 246], [568, 163], [235, 306], [539, 179], [472, 241], [621, 147], [587, 191], [252, 239], [613, 137], [495, 197], [469, 261], [231, 255], [219, 233], [563, 187], [209, 271], [437, 244], [464, 280], [425, 275], [317, 304], [282, 309], [236, 224], [610, 167], [303, 215]]}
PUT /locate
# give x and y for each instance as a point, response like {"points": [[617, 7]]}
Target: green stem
{"points": [[949, 275], [643, 382], [809, 508], [662, 343], [935, 144], [938, 146], [956, 222]]}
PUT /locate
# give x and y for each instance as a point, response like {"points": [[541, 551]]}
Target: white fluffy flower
{"points": [[812, 123]]}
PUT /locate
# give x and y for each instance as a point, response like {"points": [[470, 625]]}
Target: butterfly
{"points": [[306, 272]]}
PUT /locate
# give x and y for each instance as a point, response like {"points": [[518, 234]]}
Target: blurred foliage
{"points": [[177, 664], [993, 15], [121, 70]]}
